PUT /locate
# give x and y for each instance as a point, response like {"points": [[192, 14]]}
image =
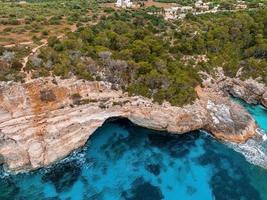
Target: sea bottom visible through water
{"points": [[124, 161]]}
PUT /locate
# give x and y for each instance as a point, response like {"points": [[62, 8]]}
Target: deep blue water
{"points": [[123, 161]]}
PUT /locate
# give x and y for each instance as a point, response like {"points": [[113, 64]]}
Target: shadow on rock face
{"points": [[2, 160], [63, 176], [142, 190], [165, 139], [116, 146], [178, 146], [121, 142]]}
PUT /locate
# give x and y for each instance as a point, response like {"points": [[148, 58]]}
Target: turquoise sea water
{"points": [[123, 161], [258, 112]]}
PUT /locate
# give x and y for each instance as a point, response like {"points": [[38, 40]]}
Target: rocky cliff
{"points": [[44, 120], [250, 90]]}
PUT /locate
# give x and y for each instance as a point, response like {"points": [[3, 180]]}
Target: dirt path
{"points": [[26, 59], [28, 74], [21, 43]]}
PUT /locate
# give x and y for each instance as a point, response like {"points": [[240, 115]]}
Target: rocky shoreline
{"points": [[250, 90], [44, 120]]}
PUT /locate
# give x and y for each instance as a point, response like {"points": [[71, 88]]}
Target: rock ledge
{"points": [[44, 120]]}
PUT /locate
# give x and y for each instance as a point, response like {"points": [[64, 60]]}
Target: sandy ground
{"points": [[12, 39]]}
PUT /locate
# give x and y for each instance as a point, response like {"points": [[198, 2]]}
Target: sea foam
{"points": [[254, 150]]}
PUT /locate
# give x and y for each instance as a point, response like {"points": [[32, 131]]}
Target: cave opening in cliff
{"points": [[125, 161]]}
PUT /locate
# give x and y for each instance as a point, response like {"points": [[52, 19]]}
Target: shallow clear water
{"points": [[258, 112], [123, 161]]}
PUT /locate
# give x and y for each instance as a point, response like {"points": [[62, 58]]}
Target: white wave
{"points": [[253, 150], [4, 174], [262, 134]]}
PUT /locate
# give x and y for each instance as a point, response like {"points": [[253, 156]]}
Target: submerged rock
{"points": [[8, 189], [63, 176], [224, 187], [40, 122], [142, 190], [154, 169]]}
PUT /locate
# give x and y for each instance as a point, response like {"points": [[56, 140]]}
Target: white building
{"points": [[200, 6], [178, 12], [171, 13], [241, 5], [22, 2], [124, 3]]}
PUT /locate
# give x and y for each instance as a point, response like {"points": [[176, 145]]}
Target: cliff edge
{"points": [[44, 120]]}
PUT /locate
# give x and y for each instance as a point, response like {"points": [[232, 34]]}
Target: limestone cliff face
{"points": [[264, 99], [44, 120], [250, 90]]}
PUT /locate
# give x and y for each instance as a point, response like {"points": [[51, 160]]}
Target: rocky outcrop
{"points": [[250, 90], [226, 117], [264, 99], [44, 120]]}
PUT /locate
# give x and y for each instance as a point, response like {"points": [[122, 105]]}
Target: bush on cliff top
{"points": [[148, 56]]}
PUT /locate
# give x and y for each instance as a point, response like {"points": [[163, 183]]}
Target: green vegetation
{"points": [[10, 64], [227, 4], [182, 2], [127, 50], [36, 20], [231, 40], [45, 8], [146, 55], [26, 24]]}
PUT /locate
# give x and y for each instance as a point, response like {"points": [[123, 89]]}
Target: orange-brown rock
{"points": [[44, 120]]}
